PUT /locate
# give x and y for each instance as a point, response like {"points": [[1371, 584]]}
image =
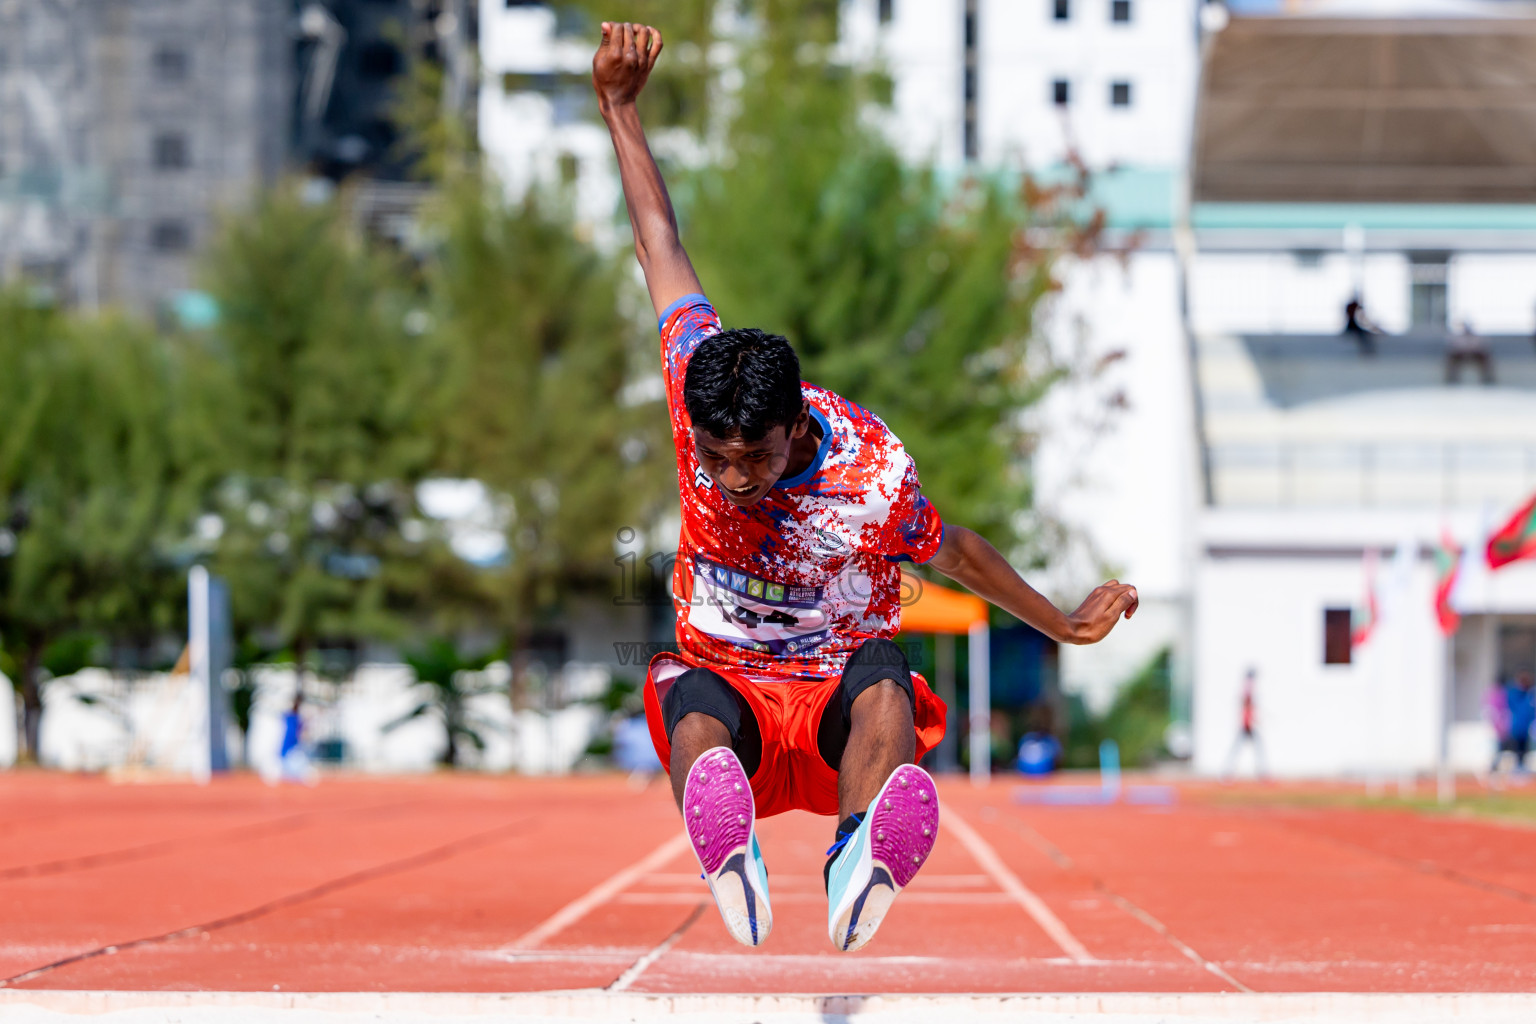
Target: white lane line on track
{"points": [[638, 968], [1006, 880], [1173, 940], [1065, 862], [601, 893]]}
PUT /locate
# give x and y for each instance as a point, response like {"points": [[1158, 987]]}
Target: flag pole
{"points": [[1446, 779]]}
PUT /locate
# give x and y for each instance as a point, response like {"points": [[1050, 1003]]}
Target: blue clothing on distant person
{"points": [[293, 725], [1038, 753], [632, 747], [1522, 709]]}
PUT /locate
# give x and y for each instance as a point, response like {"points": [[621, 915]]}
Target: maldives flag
{"points": [[1365, 619], [1516, 539], [1447, 567]]}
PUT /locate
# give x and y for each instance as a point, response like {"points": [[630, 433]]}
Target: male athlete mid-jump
{"points": [[797, 507]]}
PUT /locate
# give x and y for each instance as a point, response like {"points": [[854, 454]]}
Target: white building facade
{"points": [[1398, 179]]}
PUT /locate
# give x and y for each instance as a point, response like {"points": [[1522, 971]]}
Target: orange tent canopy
{"points": [[939, 609]]}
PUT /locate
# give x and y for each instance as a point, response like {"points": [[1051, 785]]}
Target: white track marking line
{"points": [[1177, 943], [1065, 862], [632, 974], [602, 893], [1033, 905]]}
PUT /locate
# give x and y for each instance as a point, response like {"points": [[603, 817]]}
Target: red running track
{"points": [[470, 884]]}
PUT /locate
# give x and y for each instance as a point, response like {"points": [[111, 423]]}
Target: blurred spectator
{"points": [[1359, 326], [293, 763], [633, 750], [1039, 753], [1519, 714], [1248, 730], [1466, 347], [1496, 710]]}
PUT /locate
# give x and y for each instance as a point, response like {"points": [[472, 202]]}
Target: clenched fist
{"points": [[623, 62]]}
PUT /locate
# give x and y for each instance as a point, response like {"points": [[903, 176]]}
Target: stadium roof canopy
{"points": [[1416, 101]]}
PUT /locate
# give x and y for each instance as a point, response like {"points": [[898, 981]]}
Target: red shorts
{"points": [[792, 775]]}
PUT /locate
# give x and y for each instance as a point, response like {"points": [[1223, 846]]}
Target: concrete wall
{"points": [[1279, 292], [1261, 588], [1380, 713], [1023, 49], [1116, 461], [154, 723]]}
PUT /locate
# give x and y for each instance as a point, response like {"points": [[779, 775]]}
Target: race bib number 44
{"points": [[760, 614]]}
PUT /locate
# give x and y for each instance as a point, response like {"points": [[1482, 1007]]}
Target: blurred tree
{"points": [[92, 504], [909, 291], [543, 367], [1137, 720], [453, 681], [538, 397], [313, 436], [678, 92]]}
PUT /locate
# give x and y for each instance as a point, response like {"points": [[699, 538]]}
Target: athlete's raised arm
{"points": [[619, 70], [966, 557]]}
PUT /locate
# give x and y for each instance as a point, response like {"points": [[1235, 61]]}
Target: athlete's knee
{"points": [[700, 694], [878, 665], [719, 715], [877, 654], [700, 730], [883, 700]]}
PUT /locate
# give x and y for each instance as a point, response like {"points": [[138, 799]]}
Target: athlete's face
{"points": [[746, 470]]}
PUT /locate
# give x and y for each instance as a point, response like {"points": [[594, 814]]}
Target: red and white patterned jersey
{"points": [[791, 585]]}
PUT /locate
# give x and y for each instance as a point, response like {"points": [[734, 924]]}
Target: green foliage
{"points": [[536, 353], [678, 92], [1136, 721], [313, 394], [901, 290], [452, 680], [622, 695], [437, 147], [68, 654], [91, 496]]}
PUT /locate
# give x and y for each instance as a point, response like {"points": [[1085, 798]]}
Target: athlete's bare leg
{"points": [[881, 740], [696, 733]]}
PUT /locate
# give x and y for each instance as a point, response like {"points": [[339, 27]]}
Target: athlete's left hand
{"points": [[624, 61], [1099, 612]]}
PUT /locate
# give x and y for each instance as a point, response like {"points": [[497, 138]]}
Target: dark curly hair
{"points": [[743, 381]]}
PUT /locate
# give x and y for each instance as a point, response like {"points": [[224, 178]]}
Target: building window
{"points": [[1427, 290], [379, 59], [887, 11], [170, 236], [1061, 92], [1120, 94], [1120, 11], [1061, 10], [172, 64], [171, 152], [1337, 623]]}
